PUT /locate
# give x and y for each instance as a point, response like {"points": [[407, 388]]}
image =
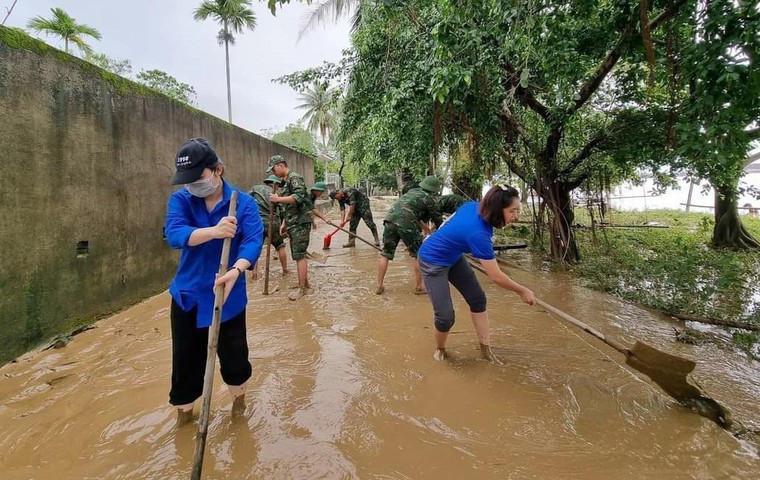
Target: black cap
{"points": [[193, 156]]}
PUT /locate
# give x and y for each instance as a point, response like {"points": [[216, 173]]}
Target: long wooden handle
{"points": [[567, 317], [213, 339], [357, 236], [582, 326], [269, 242]]}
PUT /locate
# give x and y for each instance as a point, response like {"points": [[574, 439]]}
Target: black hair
{"points": [[491, 208]]}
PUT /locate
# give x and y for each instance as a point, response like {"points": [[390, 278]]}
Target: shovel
{"points": [[666, 370], [356, 236], [328, 237], [213, 338]]}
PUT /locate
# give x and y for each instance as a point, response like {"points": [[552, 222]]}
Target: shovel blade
{"points": [[317, 257], [669, 373]]}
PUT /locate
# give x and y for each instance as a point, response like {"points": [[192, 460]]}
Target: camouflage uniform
{"points": [[408, 184], [361, 209], [261, 193], [402, 221], [448, 204], [297, 215]]}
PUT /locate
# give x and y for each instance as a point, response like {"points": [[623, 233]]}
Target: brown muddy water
{"points": [[344, 386]]}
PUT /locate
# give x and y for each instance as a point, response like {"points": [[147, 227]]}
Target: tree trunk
{"points": [[227, 59], [563, 246], [66, 45], [729, 231]]}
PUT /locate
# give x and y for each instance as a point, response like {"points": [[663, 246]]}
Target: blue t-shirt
{"points": [[464, 232], [194, 283]]}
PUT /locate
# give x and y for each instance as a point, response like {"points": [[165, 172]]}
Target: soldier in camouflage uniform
{"points": [[408, 182], [297, 206], [406, 220], [358, 209], [448, 204], [261, 193]]}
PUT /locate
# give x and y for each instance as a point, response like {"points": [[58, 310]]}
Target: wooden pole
{"points": [[269, 242], [213, 339]]}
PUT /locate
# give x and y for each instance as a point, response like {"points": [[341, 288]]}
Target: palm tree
{"points": [[64, 26], [234, 16], [334, 9], [319, 103]]}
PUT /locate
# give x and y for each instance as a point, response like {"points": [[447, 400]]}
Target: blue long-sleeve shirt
{"points": [[194, 283]]}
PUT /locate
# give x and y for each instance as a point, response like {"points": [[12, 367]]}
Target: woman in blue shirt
{"points": [[442, 261], [197, 223]]}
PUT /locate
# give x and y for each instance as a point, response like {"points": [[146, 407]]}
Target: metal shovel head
{"points": [[669, 372], [318, 257], [272, 289]]}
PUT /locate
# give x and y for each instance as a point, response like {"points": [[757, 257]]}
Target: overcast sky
{"points": [[161, 34]]}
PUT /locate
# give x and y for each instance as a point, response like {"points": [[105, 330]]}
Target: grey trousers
{"points": [[437, 281]]}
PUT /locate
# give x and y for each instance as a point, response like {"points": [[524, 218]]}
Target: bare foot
{"points": [[296, 294], [380, 290], [184, 417], [439, 354], [285, 272], [238, 406], [487, 353], [420, 291]]}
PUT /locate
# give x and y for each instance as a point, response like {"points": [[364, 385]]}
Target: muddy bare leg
{"points": [[418, 288], [440, 343], [282, 254], [184, 414], [481, 324], [382, 269], [237, 393]]}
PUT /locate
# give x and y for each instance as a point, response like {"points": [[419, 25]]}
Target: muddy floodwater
{"points": [[344, 386]]}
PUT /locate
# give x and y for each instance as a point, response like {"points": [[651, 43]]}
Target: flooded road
{"points": [[344, 386]]}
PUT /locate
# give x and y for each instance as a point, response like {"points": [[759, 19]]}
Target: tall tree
{"points": [[235, 16], [62, 25], [319, 103], [718, 76]]}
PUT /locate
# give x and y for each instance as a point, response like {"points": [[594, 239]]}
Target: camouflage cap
{"points": [[431, 184], [273, 179], [274, 160]]}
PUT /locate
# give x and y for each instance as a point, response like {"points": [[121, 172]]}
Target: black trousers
{"points": [[190, 349]]}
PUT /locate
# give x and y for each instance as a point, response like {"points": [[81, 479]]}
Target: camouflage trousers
{"points": [[392, 234], [299, 240], [366, 215]]}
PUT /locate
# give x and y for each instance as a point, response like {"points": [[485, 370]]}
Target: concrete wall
{"points": [[88, 156]]}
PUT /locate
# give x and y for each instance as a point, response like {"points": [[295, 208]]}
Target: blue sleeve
{"points": [[251, 229], [481, 246], [177, 228]]}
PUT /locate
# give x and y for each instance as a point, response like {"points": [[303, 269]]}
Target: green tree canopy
{"points": [[162, 82]]}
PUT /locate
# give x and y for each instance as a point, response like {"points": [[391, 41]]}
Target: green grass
{"points": [[672, 269]]}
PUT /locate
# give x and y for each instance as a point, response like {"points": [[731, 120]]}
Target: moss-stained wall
{"points": [[88, 156]]}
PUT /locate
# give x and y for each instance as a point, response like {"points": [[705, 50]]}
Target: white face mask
{"points": [[202, 188]]}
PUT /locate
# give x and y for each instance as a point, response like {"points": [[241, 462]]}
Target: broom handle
{"points": [[213, 338]]}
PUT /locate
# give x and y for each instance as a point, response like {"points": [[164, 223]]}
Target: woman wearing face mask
{"points": [[442, 262], [197, 223]]}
